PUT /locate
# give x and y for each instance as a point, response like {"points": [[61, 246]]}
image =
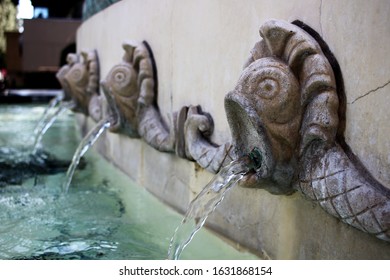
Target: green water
{"points": [[103, 216]]}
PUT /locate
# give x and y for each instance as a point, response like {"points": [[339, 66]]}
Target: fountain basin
{"points": [[104, 215]]}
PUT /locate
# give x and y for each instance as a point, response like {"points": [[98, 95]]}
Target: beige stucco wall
{"points": [[200, 47]]}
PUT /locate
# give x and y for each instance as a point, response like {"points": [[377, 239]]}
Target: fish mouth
{"points": [[248, 134], [112, 109]]}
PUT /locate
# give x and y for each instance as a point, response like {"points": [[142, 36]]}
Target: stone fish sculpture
{"points": [[131, 93], [79, 79], [286, 104], [71, 59]]}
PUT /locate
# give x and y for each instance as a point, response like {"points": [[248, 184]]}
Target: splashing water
{"points": [[17, 165], [96, 220], [48, 121], [53, 103], [208, 199], [83, 147]]}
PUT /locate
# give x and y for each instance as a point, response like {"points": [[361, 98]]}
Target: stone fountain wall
{"points": [[200, 48]]}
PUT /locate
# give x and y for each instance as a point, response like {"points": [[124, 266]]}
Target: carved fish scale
{"points": [[332, 180]]}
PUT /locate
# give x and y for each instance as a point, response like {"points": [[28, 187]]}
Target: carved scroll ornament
{"points": [[79, 79], [286, 104]]}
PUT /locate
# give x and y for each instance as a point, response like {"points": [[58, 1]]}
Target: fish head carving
{"points": [[81, 81], [77, 81], [122, 91], [129, 88], [71, 59], [264, 112], [284, 101]]}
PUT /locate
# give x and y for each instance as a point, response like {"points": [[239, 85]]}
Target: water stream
{"points": [[83, 147], [53, 103], [47, 122], [208, 199]]}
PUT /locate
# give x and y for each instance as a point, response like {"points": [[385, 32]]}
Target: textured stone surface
{"points": [[345, 193]]}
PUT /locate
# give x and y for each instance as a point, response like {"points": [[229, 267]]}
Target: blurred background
{"points": [[35, 38]]}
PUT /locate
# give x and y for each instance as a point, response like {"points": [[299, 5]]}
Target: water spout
{"points": [[83, 147], [47, 122], [209, 198]]}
